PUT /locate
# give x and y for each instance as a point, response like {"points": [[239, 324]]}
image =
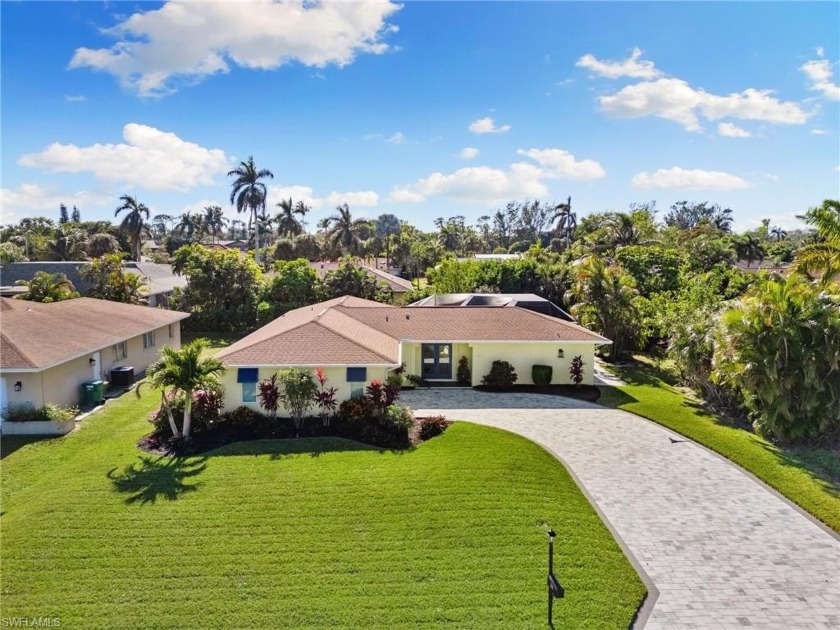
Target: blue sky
{"points": [[423, 109]]}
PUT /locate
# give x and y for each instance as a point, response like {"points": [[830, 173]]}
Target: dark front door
{"points": [[437, 361]]}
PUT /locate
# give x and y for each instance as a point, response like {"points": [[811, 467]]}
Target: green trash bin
{"points": [[92, 393]]}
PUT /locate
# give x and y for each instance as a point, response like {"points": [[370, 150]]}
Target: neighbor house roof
{"points": [[396, 284], [529, 301], [35, 336], [351, 331]]}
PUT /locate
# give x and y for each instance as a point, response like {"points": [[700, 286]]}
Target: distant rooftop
{"points": [[528, 301]]}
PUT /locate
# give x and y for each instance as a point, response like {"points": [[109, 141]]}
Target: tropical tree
{"points": [[343, 231], [777, 233], [102, 243], [780, 347], [109, 281], [749, 248], [63, 217], [133, 224], [213, 222], [606, 301], [248, 193], [184, 371], [387, 227], [823, 257], [190, 227], [566, 221], [287, 220], [68, 245], [47, 287], [161, 224]]}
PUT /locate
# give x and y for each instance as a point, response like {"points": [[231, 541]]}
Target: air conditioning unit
{"points": [[122, 377]]}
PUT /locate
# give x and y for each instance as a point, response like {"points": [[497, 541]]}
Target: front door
{"points": [[437, 361], [94, 364]]}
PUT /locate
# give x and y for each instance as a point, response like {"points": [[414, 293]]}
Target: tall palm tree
{"points": [[621, 229], [133, 224], [749, 248], [823, 257], [47, 287], [248, 193], [778, 234], [213, 221], [190, 227], [184, 371], [566, 221], [287, 220], [344, 231]]}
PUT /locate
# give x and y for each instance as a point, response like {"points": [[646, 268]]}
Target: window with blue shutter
{"points": [[248, 375], [356, 374]]}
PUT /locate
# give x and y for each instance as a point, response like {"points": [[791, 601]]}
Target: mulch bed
{"points": [[588, 393]]}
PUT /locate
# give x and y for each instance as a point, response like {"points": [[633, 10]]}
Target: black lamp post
{"points": [[555, 590]]}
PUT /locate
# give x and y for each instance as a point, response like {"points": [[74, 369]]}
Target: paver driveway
{"points": [[721, 549]]}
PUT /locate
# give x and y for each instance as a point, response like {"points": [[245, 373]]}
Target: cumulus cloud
{"points": [[468, 153], [366, 198], [276, 194], [28, 199], [633, 66], [697, 179], [397, 138], [732, 131], [186, 42], [149, 158], [820, 74], [487, 125], [676, 100], [485, 184]]}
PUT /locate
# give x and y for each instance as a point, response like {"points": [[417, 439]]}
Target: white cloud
{"points": [[75, 98], [820, 73], [276, 194], [185, 42], [487, 125], [819, 132], [366, 198], [468, 153], [630, 67], [732, 131], [676, 100], [30, 199], [149, 158], [698, 179], [484, 184], [560, 164], [397, 138], [820, 51]]}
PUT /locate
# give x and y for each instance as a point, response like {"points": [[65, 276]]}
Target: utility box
{"points": [[92, 393], [122, 376]]}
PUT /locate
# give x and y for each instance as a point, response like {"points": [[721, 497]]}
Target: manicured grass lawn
{"points": [[807, 476], [301, 534]]}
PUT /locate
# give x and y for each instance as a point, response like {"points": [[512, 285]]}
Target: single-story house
{"points": [[356, 341], [160, 279], [395, 283], [48, 350]]}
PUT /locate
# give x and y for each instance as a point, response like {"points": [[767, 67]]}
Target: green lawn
{"points": [[300, 534], [808, 476]]}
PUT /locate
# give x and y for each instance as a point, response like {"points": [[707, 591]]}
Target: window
{"points": [[149, 340], [171, 330], [249, 392], [247, 378], [120, 351], [357, 376]]}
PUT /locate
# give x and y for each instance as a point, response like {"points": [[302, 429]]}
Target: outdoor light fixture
{"points": [[555, 589], [92, 361], [560, 353], [18, 386]]}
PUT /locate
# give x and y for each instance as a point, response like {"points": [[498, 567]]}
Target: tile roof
{"points": [[38, 336], [350, 331]]}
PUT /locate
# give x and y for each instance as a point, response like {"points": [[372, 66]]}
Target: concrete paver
{"points": [[721, 549]]}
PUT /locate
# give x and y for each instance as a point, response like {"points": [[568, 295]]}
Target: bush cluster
{"points": [[47, 413], [501, 376], [541, 375], [432, 427]]}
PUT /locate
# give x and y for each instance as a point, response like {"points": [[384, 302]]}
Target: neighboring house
{"points": [[356, 341], [48, 350], [528, 301], [395, 283], [769, 266], [239, 244], [492, 257], [160, 279]]}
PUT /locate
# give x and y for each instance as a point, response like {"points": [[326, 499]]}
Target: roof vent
{"points": [[407, 316], [386, 318]]}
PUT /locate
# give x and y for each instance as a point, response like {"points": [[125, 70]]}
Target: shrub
{"points": [[25, 412], [464, 374], [242, 418], [417, 381], [376, 392], [541, 374], [576, 370], [393, 386], [400, 416], [432, 427], [299, 390], [269, 395], [325, 398], [207, 405], [356, 409], [501, 376]]}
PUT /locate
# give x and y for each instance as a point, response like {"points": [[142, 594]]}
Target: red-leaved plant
{"points": [[269, 393], [576, 370], [325, 397], [376, 392]]}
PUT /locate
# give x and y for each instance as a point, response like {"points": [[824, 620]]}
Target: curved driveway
{"points": [[721, 549]]}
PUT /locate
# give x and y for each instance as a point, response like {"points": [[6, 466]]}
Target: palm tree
{"points": [[749, 248], [133, 225], [249, 193], [184, 371], [213, 221], [621, 229], [344, 231], [190, 227], [566, 221], [823, 257], [287, 222], [47, 287], [777, 234]]}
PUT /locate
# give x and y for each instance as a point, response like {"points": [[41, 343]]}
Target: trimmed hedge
{"points": [[541, 374]]}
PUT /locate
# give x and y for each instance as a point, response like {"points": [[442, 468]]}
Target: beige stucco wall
{"points": [[523, 356], [61, 385], [337, 377]]}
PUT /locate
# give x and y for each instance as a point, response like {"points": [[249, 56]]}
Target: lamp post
{"points": [[555, 590]]}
